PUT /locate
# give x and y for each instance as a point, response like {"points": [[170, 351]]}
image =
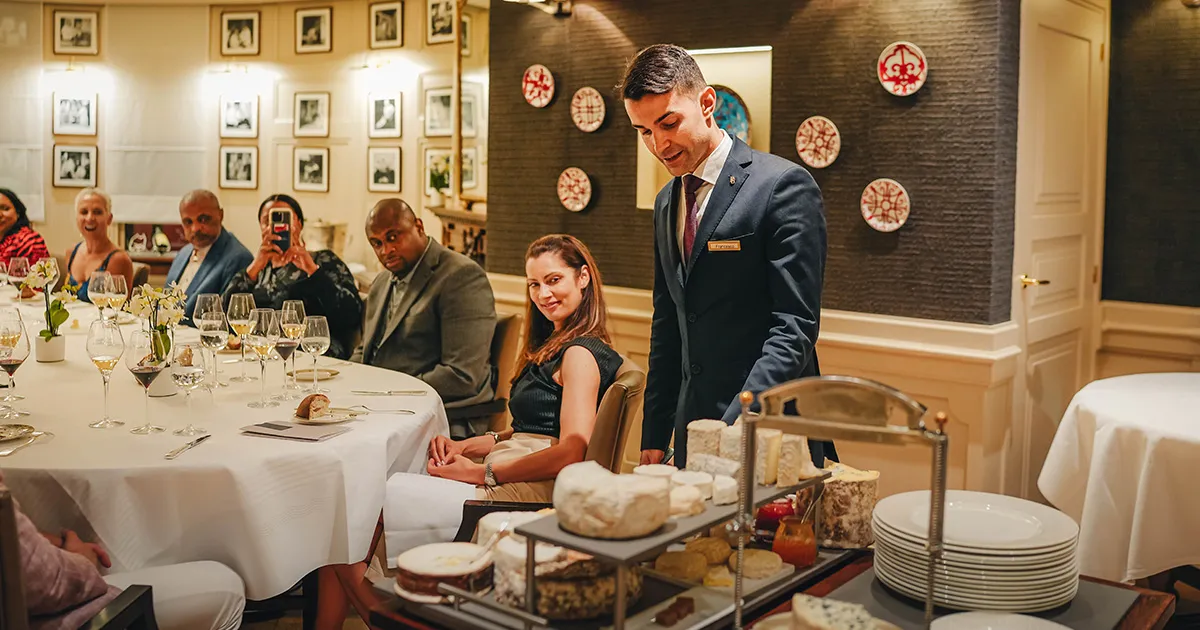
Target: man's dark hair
{"points": [[659, 69]]}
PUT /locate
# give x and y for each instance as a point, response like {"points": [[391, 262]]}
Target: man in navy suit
{"points": [[739, 253], [212, 255]]}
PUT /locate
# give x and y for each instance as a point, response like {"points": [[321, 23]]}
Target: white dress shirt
{"points": [[193, 266], [708, 170]]}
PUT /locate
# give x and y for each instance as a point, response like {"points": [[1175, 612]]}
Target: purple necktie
{"points": [[691, 184]]}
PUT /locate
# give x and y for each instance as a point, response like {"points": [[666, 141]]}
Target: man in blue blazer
{"points": [[739, 253], [212, 256]]}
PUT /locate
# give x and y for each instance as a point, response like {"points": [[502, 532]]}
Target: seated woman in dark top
{"points": [[319, 278], [567, 365]]}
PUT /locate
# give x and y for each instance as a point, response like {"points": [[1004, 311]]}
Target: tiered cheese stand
{"points": [[833, 407]]}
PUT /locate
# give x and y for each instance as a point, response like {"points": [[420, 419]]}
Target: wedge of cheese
{"points": [[795, 461], [704, 437], [725, 490], [822, 613], [767, 447], [592, 501], [847, 504], [702, 481], [714, 465], [731, 442]]}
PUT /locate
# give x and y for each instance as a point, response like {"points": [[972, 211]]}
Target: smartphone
{"points": [[281, 226]]}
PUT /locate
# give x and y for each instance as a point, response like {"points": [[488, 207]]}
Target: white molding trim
{"points": [[1136, 338]]}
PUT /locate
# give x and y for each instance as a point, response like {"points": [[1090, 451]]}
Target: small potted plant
{"points": [[439, 181], [162, 310], [50, 346]]}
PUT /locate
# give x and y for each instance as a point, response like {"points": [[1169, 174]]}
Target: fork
{"points": [[407, 412]]}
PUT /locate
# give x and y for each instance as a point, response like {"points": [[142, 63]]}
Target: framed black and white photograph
{"points": [[383, 115], [466, 35], [438, 113], [76, 33], [311, 115], [239, 167], [74, 166], [239, 116], [439, 21], [311, 169], [387, 25], [383, 168], [437, 170], [239, 33], [470, 166], [314, 30], [74, 114]]}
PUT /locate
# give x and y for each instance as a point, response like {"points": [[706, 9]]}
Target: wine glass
{"points": [[105, 347], [118, 291], [14, 349], [206, 303], [315, 341], [3, 272], [98, 290], [188, 376], [291, 321], [18, 270], [214, 334], [145, 366], [240, 305], [263, 333]]}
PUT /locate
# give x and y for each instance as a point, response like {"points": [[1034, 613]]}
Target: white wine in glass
{"points": [[240, 305], [264, 332], [98, 290], [315, 341], [214, 335], [291, 321], [105, 347], [118, 291]]}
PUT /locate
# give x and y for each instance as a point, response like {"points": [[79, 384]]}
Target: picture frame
{"points": [[314, 30], [76, 32], [438, 122], [240, 33], [311, 115], [466, 34], [437, 160], [439, 21], [75, 166], [74, 113], [384, 115], [238, 116], [310, 169], [470, 167], [383, 169], [238, 168], [387, 25]]}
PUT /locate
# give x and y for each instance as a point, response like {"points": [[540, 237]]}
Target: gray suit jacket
{"points": [[444, 333]]}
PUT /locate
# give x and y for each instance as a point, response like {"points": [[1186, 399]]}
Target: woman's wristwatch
{"points": [[489, 477]]}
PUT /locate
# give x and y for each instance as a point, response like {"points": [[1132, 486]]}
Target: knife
{"points": [[179, 451], [390, 392]]}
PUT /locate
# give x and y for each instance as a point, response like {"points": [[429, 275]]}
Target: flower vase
{"points": [[436, 200], [164, 343], [50, 350]]}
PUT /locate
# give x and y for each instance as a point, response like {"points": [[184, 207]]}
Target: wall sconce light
{"points": [[557, 8]]}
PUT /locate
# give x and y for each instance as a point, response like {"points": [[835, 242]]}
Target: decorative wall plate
{"points": [[731, 113], [587, 109], [574, 189], [902, 68], [818, 141], [538, 85], [885, 205]]}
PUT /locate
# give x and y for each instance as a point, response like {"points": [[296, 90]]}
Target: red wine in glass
{"points": [[286, 348], [11, 365], [146, 374]]}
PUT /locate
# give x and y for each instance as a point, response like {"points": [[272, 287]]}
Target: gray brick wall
{"points": [[952, 145]]}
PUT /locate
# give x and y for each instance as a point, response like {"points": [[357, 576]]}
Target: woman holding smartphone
{"points": [[283, 269]]}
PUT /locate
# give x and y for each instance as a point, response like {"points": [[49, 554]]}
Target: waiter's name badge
{"points": [[724, 246]]}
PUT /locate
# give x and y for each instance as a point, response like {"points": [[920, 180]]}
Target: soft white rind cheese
{"points": [[491, 522], [795, 461], [766, 455], [713, 465], [702, 481], [703, 437], [655, 470], [686, 501], [725, 490], [731, 442], [847, 503], [822, 613], [592, 501]]}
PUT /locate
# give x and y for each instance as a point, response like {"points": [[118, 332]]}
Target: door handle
{"points": [[1026, 281]]}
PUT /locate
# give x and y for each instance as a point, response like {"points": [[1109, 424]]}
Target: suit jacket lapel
{"points": [[667, 242], [375, 313], [733, 175], [420, 278]]}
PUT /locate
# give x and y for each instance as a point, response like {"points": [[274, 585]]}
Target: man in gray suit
{"points": [[431, 314]]}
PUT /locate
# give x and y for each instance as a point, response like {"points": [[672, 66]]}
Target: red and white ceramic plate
{"points": [[902, 68], [538, 85], [885, 205], [574, 189], [818, 141], [587, 109]]}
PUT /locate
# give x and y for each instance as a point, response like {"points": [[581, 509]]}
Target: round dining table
{"points": [[271, 509], [1122, 464]]}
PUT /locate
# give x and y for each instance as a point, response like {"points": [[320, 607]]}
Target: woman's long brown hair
{"points": [[589, 320]]}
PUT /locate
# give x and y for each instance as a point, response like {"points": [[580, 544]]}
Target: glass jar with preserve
{"points": [[766, 520], [795, 541]]}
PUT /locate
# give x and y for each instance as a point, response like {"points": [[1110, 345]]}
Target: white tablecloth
{"points": [[271, 509], [1125, 464]]}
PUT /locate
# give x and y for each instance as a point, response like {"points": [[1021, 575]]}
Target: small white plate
{"points": [[999, 556], [978, 559], [984, 585], [9, 432], [993, 621], [953, 599], [981, 520], [336, 415], [306, 374]]}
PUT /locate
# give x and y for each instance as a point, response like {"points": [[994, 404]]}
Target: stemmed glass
{"points": [[18, 270], [145, 367], [206, 303], [240, 306], [263, 333], [315, 341], [188, 376], [3, 273], [105, 347], [14, 349], [214, 334], [209, 303], [98, 290], [291, 321], [118, 292]]}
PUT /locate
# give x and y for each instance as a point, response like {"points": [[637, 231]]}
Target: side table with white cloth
{"points": [[273, 510], [1125, 464]]}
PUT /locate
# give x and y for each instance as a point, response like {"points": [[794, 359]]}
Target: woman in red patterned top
{"points": [[19, 238]]}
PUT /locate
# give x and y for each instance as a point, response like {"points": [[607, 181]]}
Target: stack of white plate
{"points": [[1000, 553]]}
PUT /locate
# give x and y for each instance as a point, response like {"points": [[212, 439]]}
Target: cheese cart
{"points": [[834, 407]]}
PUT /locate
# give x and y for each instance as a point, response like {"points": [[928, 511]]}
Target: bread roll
{"points": [[714, 550], [313, 406], [688, 566], [759, 563]]}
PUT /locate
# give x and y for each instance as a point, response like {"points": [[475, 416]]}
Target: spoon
{"points": [[491, 542]]}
